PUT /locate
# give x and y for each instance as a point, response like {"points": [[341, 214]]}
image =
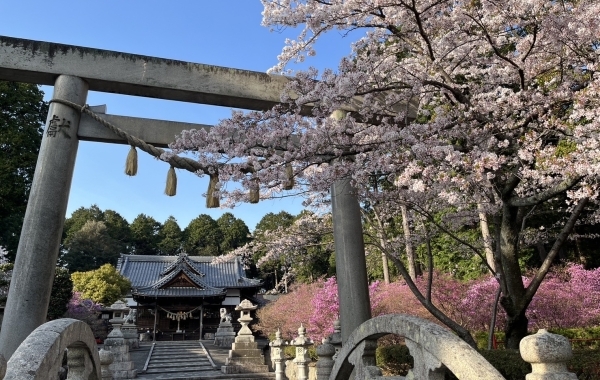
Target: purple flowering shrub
{"points": [[80, 308], [568, 297]]}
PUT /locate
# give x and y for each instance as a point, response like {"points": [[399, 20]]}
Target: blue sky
{"points": [[225, 33]]}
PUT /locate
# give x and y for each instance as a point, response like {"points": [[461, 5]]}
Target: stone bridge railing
{"points": [[41, 355], [435, 351], [433, 348]]}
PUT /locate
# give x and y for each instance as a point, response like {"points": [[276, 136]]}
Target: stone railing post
{"points": [[106, 359], [278, 356], [79, 362], [325, 364], [547, 353], [336, 338], [302, 342]]}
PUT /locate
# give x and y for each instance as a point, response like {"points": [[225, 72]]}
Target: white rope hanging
{"points": [[179, 315]]}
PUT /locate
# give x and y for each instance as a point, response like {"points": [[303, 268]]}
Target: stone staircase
{"points": [[188, 360]]}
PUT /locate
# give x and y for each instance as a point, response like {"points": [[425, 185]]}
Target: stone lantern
{"points": [[548, 355], [122, 366], [278, 356], [302, 342], [245, 334]]}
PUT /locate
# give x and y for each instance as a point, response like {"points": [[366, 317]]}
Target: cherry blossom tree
{"points": [[488, 106]]}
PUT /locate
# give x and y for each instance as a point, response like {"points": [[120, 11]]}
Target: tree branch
{"points": [[538, 198], [562, 237]]}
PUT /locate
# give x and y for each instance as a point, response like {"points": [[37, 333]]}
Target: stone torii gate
{"points": [[74, 71]]}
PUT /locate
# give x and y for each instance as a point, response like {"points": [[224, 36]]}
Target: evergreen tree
{"points": [[22, 115]]}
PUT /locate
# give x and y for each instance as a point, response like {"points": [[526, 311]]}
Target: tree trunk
{"points": [[512, 298], [410, 256], [383, 243], [487, 238], [515, 330]]}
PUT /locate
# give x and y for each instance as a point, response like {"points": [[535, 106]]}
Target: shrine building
{"points": [[180, 297]]}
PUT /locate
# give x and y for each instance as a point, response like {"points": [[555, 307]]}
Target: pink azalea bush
{"points": [[569, 297]]}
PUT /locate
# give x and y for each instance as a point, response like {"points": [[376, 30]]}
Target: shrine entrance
{"points": [[75, 70]]}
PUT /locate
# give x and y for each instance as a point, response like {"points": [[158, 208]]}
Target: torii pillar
{"points": [[350, 262], [33, 274]]}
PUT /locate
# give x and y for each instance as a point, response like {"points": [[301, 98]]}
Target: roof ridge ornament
{"points": [[182, 262]]}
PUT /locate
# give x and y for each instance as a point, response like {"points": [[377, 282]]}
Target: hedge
{"points": [[396, 360]]}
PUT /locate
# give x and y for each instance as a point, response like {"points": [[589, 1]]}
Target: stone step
{"points": [[182, 368], [209, 375], [172, 358], [178, 352], [179, 360], [195, 344], [179, 363]]}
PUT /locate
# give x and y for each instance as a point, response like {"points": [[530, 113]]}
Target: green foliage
{"points": [[5, 275], [508, 362], [565, 147], [395, 359], [203, 236], [22, 116], [78, 219], [271, 221], [585, 364], [145, 235], [452, 257], [91, 247], [92, 237], [583, 337], [235, 232], [62, 291], [104, 285], [290, 352], [481, 337], [170, 236]]}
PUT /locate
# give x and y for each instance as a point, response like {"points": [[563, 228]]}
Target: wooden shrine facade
{"points": [[180, 297]]}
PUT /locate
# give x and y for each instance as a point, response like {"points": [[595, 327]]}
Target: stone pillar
{"points": [[325, 364], [37, 253], [548, 354], [302, 342], [122, 366], [278, 356], [2, 367], [106, 359], [350, 263]]}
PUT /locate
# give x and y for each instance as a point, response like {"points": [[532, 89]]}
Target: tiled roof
{"points": [[150, 274]]}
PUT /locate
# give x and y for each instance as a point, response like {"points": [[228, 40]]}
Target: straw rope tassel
{"points": [[171, 188], [131, 165], [212, 200], [254, 195], [289, 173]]}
